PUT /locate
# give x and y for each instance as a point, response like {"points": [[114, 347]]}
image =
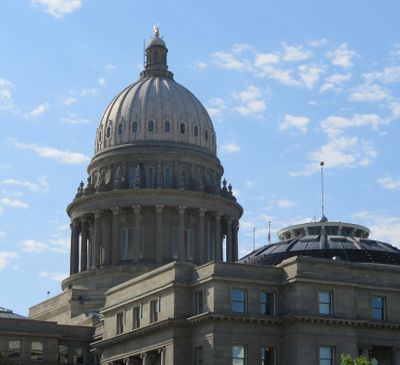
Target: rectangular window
{"points": [[14, 349], [267, 356], [63, 354], [378, 308], [198, 355], [326, 355], [267, 303], [120, 322], [136, 317], [325, 302], [132, 177], [175, 243], [150, 178], [239, 300], [154, 310], [141, 242], [199, 302], [126, 248], [189, 244], [239, 355], [78, 355], [36, 350], [167, 181]]}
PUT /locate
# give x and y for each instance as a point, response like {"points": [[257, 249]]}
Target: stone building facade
{"points": [[155, 277]]}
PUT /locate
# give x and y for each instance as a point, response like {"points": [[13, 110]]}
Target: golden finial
{"points": [[156, 30]]}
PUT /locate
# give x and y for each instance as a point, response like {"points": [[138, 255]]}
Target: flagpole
{"points": [[254, 238], [269, 232]]}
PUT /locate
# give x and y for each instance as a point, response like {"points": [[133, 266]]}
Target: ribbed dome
{"points": [[155, 108]]}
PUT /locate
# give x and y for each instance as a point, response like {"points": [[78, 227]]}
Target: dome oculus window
{"points": [[167, 126], [108, 132], [196, 131], [182, 128], [135, 127], [206, 134], [120, 129], [150, 126]]}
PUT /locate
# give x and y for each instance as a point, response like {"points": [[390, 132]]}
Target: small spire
{"points": [[156, 30], [323, 218]]}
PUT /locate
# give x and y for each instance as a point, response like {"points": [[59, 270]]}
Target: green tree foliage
{"points": [[349, 360]]}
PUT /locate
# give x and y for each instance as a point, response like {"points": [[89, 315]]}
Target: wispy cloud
{"points": [[56, 276], [232, 60], [250, 184], [101, 81], [216, 107], [283, 203], [250, 102], [74, 119], [200, 66], [230, 147], [60, 156], [33, 246], [342, 56], [6, 100], [369, 92], [92, 91], [59, 245], [39, 110], [40, 185], [290, 122], [295, 53], [57, 8], [387, 76], [334, 82], [389, 182], [13, 203], [5, 258], [69, 100]]}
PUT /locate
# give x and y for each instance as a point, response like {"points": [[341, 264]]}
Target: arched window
{"points": [[182, 128], [108, 132], [167, 126], [206, 134], [120, 129], [150, 126], [135, 127], [196, 131]]}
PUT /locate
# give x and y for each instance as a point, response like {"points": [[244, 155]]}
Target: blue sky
{"points": [[287, 84]]}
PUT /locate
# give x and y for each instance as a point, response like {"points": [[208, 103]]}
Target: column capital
{"points": [[228, 220], [115, 210], [75, 222], [97, 213], [218, 216], [83, 218], [137, 208], [202, 212], [159, 208], [161, 350], [181, 209]]}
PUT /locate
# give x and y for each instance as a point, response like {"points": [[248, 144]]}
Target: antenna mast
{"points": [[254, 238], [322, 164]]}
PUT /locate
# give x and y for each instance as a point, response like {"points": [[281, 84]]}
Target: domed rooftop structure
{"points": [[325, 239], [155, 109]]}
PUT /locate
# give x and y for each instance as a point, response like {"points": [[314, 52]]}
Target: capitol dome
{"points": [[155, 109]]}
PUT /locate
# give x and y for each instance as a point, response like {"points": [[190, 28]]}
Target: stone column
{"points": [[75, 247], [218, 246], [229, 255], [396, 355], [115, 236], [201, 244], [97, 238], [181, 232], [159, 245], [146, 360], [84, 245], [235, 248], [161, 351], [136, 231]]}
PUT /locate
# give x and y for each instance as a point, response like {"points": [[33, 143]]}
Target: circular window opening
{"points": [[135, 127], [196, 131], [167, 126], [120, 129], [206, 134], [182, 128], [150, 126]]}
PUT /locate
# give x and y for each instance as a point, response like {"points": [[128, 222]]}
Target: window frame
{"points": [[167, 177], [40, 355], [154, 310], [9, 348], [323, 303], [382, 310], [119, 325], [263, 348], [75, 354], [59, 354], [136, 316], [331, 359], [151, 126], [244, 291], [199, 302], [243, 359], [126, 244], [198, 355], [272, 305]]}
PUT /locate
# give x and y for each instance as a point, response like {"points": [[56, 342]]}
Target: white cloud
{"points": [[384, 227], [295, 53], [342, 56], [294, 122], [216, 107], [250, 102], [318, 42], [61, 156], [58, 8], [5, 258], [200, 66], [74, 119], [334, 125], [39, 110], [309, 75], [13, 203], [93, 91], [56, 276], [3, 167], [69, 100], [283, 203], [250, 184], [230, 61], [387, 75], [41, 185], [101, 81], [389, 182], [33, 246], [333, 81], [230, 147], [339, 153], [263, 59], [369, 92], [110, 67], [395, 109], [6, 100]]}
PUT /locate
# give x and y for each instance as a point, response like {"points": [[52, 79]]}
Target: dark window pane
{"points": [[151, 126], [167, 126], [134, 127], [182, 128]]}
